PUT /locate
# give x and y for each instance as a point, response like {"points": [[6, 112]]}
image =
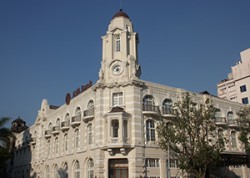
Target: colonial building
{"points": [[108, 129], [237, 86]]}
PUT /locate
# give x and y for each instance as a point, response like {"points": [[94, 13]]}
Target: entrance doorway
{"points": [[118, 168]]}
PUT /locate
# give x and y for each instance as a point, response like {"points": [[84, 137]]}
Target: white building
{"points": [[108, 129], [237, 86]]}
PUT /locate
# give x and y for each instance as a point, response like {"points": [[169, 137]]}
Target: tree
{"points": [[244, 127], [192, 136], [5, 142]]}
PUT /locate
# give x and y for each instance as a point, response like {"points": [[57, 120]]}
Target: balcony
{"points": [[150, 110], [167, 112], [65, 125], [76, 121], [55, 130], [47, 133], [88, 114], [118, 142], [220, 121], [232, 123]]}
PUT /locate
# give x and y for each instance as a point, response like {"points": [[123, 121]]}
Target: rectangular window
{"points": [[117, 99], [243, 88], [115, 128], [117, 45], [173, 163], [150, 162], [245, 100]]}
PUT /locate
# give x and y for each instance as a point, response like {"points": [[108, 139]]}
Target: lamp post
{"points": [[168, 164]]}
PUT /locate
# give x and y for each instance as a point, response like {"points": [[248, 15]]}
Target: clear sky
{"points": [[51, 47]]}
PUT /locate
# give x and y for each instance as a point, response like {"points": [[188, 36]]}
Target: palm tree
{"points": [[5, 142]]}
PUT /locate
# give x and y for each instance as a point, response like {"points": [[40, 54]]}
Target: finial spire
{"points": [[120, 5]]}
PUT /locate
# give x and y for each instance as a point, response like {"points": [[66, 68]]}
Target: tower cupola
{"points": [[119, 51]]}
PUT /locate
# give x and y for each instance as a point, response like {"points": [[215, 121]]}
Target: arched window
{"points": [[90, 104], [148, 100], [77, 170], [78, 112], [90, 109], [77, 139], [90, 168], [67, 119], [167, 106], [150, 130], [47, 172], [55, 172], [148, 103], [50, 126], [58, 122], [90, 135], [65, 173]]}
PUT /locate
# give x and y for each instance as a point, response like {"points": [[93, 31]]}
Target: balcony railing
{"points": [[65, 125], [47, 133], [55, 130], [220, 120], [88, 114], [114, 139], [76, 120], [232, 123], [167, 112], [150, 109]]}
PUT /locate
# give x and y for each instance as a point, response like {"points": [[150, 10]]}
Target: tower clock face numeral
{"points": [[117, 69]]}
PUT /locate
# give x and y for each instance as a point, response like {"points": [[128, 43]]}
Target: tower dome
{"points": [[120, 14]]}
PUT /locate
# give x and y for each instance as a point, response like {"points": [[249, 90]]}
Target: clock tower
{"points": [[119, 52]]}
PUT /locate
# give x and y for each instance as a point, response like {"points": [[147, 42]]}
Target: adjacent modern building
{"points": [[237, 86], [107, 129]]}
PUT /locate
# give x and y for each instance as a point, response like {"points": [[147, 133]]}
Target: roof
{"points": [[120, 14], [19, 120]]}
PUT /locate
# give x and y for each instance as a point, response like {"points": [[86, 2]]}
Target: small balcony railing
{"points": [[232, 123], [55, 130], [88, 114], [220, 120], [76, 120], [65, 125], [150, 109], [47, 133], [167, 112], [114, 140]]}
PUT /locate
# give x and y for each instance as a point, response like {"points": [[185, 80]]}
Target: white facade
{"points": [[237, 86], [108, 129]]}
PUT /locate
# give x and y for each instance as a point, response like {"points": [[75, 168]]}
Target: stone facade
{"points": [[108, 129]]}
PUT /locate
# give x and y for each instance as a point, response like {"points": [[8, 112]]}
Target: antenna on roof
{"points": [[120, 4]]}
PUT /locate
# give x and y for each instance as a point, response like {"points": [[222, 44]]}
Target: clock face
{"points": [[117, 69]]}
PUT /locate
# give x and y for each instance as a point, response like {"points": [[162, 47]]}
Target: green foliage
{"points": [[244, 125], [5, 136], [192, 136]]}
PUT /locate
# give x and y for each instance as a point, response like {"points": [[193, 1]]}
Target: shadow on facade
{"points": [[62, 173], [21, 167]]}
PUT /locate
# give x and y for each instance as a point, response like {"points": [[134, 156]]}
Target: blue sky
{"points": [[51, 47]]}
